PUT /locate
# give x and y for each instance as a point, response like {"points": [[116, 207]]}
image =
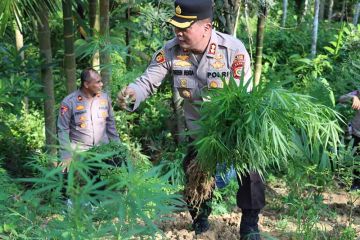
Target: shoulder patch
{"points": [[160, 56], [63, 109]]}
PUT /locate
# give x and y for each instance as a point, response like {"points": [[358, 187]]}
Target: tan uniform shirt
{"points": [[84, 123], [225, 56]]}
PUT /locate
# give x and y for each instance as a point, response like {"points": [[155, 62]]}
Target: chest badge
{"points": [[80, 107], [212, 49], [183, 57], [183, 83], [186, 93], [181, 63], [218, 65], [213, 84]]}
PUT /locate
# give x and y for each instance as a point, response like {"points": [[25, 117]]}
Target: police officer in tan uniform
{"points": [[86, 118], [197, 58], [354, 131]]}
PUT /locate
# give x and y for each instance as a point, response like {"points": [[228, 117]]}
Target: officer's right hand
{"points": [[126, 97], [356, 103], [65, 164]]}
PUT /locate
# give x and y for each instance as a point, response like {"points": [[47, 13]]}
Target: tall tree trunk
{"points": [[343, 10], [248, 28], [356, 14], [285, 6], [47, 79], [237, 19], [19, 41], [304, 12], [104, 33], [315, 28], [331, 6], [128, 36], [231, 12], [94, 20], [322, 10], [69, 52], [260, 41], [229, 9]]}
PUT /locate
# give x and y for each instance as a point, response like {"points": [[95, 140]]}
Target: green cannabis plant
{"points": [[254, 130], [110, 197]]}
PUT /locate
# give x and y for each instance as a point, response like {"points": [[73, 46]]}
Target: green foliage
{"points": [[171, 166], [121, 205], [255, 130], [344, 52], [23, 136], [224, 199], [18, 78]]}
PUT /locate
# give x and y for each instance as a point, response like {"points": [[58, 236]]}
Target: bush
{"points": [[23, 136]]}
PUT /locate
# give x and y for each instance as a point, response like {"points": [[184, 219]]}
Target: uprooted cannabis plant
{"points": [[255, 130]]}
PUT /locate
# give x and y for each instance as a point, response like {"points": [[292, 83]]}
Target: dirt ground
{"points": [[226, 227]]}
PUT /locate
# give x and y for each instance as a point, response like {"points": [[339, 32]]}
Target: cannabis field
{"points": [[291, 127]]}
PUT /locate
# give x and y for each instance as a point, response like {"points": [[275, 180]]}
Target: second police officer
{"points": [[197, 58]]}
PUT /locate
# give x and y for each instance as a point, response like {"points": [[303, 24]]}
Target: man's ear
{"points": [[86, 84], [208, 26]]}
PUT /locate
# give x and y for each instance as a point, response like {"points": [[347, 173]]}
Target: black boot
{"points": [[249, 229], [200, 217], [200, 225]]}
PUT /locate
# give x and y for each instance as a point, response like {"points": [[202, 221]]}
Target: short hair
{"points": [[85, 75]]}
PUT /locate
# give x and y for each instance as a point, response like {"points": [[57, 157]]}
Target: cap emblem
{"points": [[178, 10]]}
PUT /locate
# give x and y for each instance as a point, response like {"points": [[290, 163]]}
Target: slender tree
{"points": [[260, 41], [315, 28], [47, 78], [343, 10], [128, 35], [306, 6], [356, 15], [331, 6], [19, 40], [285, 6], [94, 20], [69, 50], [104, 34], [228, 15], [322, 10], [248, 28]]}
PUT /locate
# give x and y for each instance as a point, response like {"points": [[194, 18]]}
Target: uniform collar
{"points": [[212, 47], [80, 96]]}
